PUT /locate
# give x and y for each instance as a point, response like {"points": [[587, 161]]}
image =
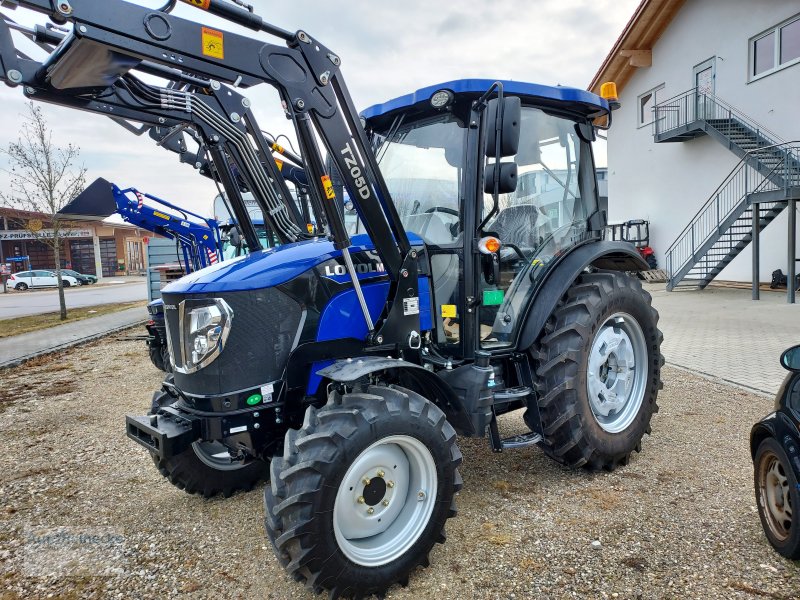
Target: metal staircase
{"points": [[768, 173]]}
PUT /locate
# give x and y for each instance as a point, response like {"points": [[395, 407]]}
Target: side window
{"points": [[775, 49], [645, 104], [545, 216], [42, 274], [793, 397]]}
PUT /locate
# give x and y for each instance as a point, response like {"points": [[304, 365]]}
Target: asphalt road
{"points": [[17, 304]]}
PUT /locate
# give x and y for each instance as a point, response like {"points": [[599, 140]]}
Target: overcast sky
{"points": [[387, 49]]}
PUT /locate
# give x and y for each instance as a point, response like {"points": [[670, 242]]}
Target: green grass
{"points": [[18, 325]]}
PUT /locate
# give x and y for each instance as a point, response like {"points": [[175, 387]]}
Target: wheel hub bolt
{"points": [[365, 481], [390, 484], [385, 503], [361, 500], [421, 496], [370, 510], [381, 474]]}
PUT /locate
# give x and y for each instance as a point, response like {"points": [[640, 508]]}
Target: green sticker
{"points": [[253, 400], [493, 297]]}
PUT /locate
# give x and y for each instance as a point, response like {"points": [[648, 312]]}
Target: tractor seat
{"points": [[517, 225]]}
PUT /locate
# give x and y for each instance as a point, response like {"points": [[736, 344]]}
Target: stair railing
{"points": [[693, 105], [743, 180]]}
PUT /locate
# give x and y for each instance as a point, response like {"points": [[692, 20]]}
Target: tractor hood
{"points": [[268, 268]]}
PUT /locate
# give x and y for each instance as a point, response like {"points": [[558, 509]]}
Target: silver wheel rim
{"points": [[216, 456], [385, 500], [775, 497], [617, 372]]}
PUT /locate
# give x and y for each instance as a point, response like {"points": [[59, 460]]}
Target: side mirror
{"points": [[790, 359], [509, 128], [507, 181]]}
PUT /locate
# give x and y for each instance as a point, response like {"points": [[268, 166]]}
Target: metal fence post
{"points": [[792, 243], [756, 252]]}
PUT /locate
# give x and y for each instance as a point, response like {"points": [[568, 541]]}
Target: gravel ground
{"points": [[85, 514]]}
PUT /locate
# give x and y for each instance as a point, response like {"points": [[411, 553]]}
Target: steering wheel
{"points": [[444, 209], [454, 227]]}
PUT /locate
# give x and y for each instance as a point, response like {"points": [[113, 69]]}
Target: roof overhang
{"points": [[633, 49]]}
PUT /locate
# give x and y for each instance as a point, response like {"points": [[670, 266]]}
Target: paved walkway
{"points": [[18, 348], [723, 333]]}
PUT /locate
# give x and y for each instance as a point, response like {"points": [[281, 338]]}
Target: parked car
{"points": [[29, 279], [775, 449], [82, 278]]}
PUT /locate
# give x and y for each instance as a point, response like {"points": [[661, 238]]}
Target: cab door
{"points": [[543, 218]]}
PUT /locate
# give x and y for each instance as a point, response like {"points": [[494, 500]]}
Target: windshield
{"points": [[421, 163]]}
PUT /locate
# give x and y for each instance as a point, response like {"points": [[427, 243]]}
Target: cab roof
{"points": [[578, 100]]}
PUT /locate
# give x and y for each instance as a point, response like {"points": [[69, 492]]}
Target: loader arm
{"points": [[112, 39], [305, 73]]}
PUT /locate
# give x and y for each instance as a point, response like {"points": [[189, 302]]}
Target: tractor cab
{"points": [[495, 214]]}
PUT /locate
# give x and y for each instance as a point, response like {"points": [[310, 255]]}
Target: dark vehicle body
{"points": [[82, 278], [775, 450]]}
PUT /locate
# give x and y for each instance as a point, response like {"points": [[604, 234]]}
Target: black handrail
{"points": [[724, 183]]}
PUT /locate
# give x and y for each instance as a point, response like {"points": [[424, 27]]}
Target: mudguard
{"points": [[765, 428], [610, 256], [412, 376]]}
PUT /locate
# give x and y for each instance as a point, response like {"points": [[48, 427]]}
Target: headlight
{"points": [[204, 328]]}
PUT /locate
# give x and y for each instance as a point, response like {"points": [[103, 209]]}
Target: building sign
{"points": [[23, 234]]}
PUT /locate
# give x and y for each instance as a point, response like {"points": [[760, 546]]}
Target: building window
{"points": [[645, 104], [775, 49]]}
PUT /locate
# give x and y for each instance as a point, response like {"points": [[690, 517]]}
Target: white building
{"points": [[717, 78]]}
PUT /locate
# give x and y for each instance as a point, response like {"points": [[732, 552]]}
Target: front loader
{"points": [[350, 365]]}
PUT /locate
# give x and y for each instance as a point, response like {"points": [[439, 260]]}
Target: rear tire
{"points": [[380, 453], [21, 287], [599, 370], [777, 498]]}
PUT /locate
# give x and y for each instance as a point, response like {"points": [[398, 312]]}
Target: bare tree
{"points": [[44, 178]]}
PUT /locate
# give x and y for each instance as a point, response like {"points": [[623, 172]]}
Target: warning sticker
{"points": [[279, 162], [204, 4], [326, 183], [411, 306], [213, 45], [448, 311], [277, 147], [160, 215]]}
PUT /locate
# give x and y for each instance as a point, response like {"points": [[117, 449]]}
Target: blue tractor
{"points": [[342, 368]]}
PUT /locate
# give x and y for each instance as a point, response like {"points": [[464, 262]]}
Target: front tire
{"points": [[156, 356], [599, 369], [777, 498], [205, 467], [363, 491]]}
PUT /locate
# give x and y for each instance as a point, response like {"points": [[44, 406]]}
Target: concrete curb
{"points": [[15, 362], [722, 380]]}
